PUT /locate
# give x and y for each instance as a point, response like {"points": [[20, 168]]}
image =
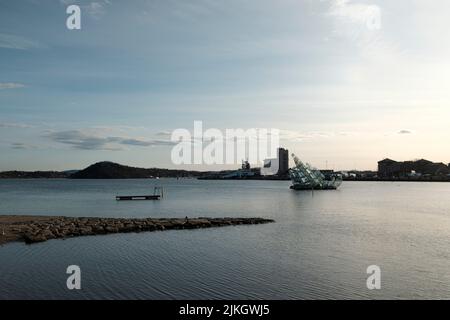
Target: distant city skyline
{"points": [[348, 83]]}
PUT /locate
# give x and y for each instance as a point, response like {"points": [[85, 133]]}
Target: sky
{"points": [[348, 83]]}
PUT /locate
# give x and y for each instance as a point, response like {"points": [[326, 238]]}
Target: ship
{"points": [[306, 177]]}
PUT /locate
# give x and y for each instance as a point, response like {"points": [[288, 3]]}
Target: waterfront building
{"points": [[306, 177], [278, 166], [389, 168]]}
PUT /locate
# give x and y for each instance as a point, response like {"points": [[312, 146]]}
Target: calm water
{"points": [[319, 247]]}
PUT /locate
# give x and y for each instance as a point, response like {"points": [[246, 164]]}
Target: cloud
{"points": [[254, 133], [358, 22], [9, 41], [405, 132], [10, 85], [146, 143], [297, 136], [164, 134], [80, 140], [14, 125], [21, 146], [95, 9], [91, 141], [189, 10], [365, 15]]}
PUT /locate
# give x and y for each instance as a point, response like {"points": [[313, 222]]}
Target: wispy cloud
{"points": [[81, 140], [365, 15], [146, 143], [10, 85], [164, 134], [95, 9], [14, 125], [359, 22], [21, 146], [298, 136], [91, 141], [190, 10], [9, 41], [405, 132]]}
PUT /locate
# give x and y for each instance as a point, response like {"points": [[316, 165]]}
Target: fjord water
{"points": [[319, 247]]}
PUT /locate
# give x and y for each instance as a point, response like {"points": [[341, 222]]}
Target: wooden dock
{"points": [[157, 195], [130, 198]]}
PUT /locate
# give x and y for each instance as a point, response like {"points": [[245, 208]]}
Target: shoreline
{"points": [[240, 179], [35, 229]]}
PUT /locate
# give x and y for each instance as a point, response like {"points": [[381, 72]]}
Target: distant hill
{"points": [[107, 170], [111, 170], [33, 175], [70, 172]]}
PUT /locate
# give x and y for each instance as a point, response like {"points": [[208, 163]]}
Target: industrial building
{"points": [[278, 166], [388, 168]]}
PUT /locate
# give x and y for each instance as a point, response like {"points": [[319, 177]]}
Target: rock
{"points": [[85, 231], [111, 229], [129, 227], [47, 234], [98, 229], [46, 228], [34, 238]]}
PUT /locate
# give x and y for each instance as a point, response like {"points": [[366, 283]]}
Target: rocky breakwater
{"points": [[40, 229]]}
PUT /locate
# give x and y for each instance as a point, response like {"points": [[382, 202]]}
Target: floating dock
{"points": [[130, 198], [157, 195]]}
